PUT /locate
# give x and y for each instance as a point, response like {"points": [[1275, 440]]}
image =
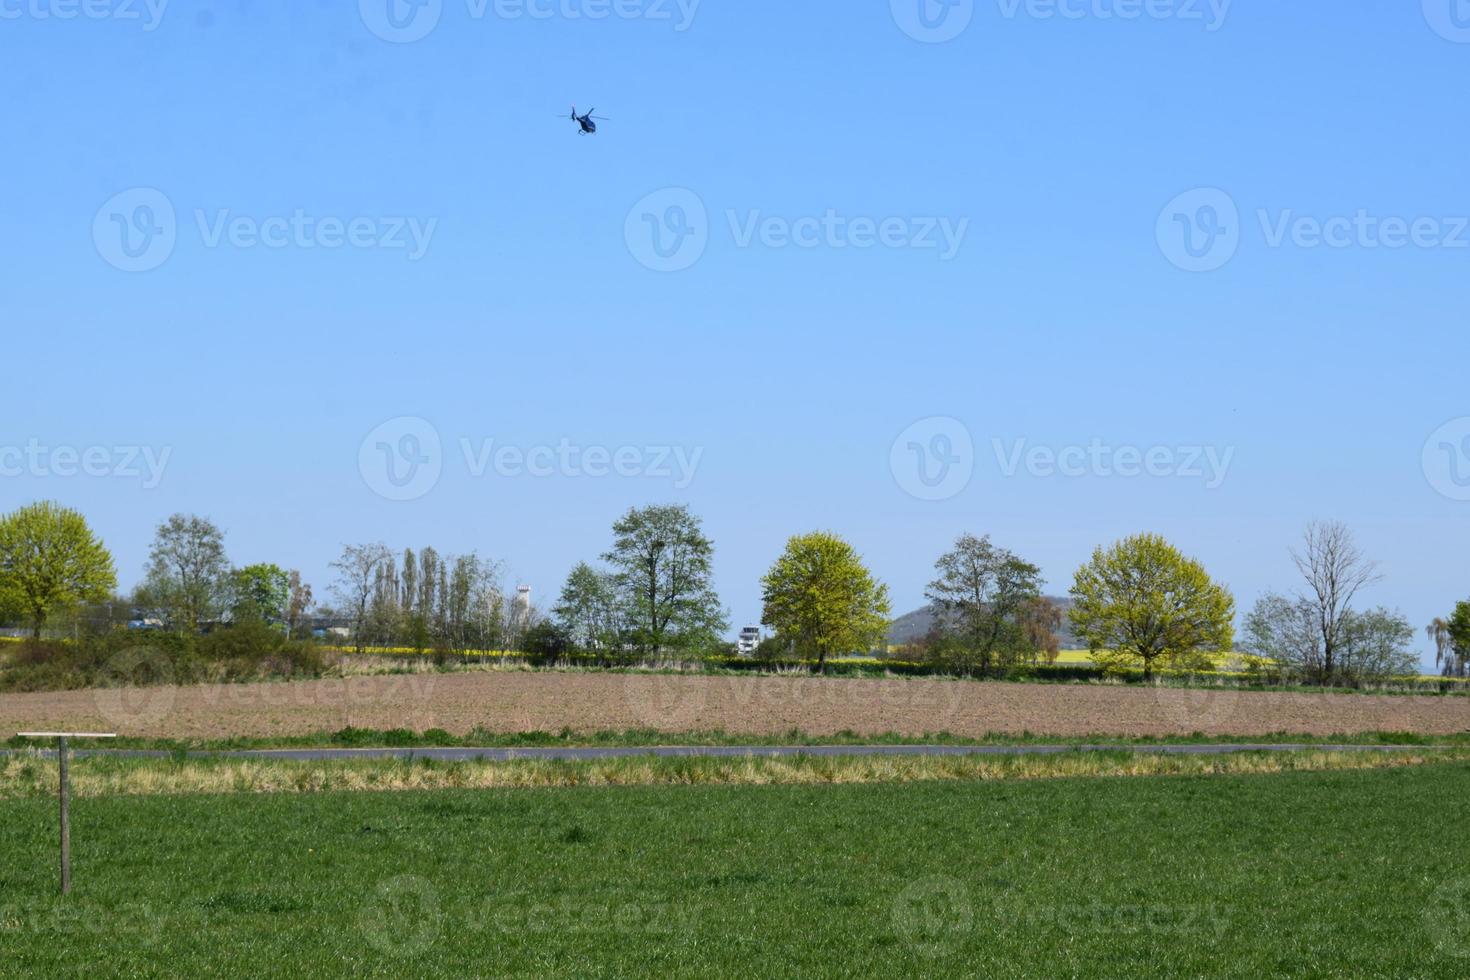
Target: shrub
{"points": [[245, 651]]}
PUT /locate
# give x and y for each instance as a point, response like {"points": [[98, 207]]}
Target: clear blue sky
{"points": [[529, 319]]}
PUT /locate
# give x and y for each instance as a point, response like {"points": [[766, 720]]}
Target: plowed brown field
{"points": [[516, 702]]}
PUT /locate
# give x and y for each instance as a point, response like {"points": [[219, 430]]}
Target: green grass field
{"points": [[1360, 873]]}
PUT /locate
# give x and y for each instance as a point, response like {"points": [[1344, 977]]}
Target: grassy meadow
{"points": [[1307, 873]]}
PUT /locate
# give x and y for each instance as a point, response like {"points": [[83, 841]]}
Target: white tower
{"points": [[520, 607]]}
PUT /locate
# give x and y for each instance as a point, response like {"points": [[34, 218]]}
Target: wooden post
{"points": [[65, 817], [65, 794]]}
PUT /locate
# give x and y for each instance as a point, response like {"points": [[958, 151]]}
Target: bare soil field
{"points": [[590, 702]]}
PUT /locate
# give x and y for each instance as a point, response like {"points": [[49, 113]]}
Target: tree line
{"points": [[1137, 602]]}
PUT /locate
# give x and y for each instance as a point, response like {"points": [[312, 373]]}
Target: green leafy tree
{"points": [[1142, 598], [1452, 641], [1376, 646], [51, 561], [1040, 619], [261, 592], [1285, 631], [588, 612], [12, 607], [979, 595], [409, 580], [821, 598], [188, 576], [663, 564]]}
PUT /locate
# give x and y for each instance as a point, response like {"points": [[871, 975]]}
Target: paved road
{"points": [[735, 751]]}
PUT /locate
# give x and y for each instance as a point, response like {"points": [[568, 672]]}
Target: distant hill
{"points": [[914, 626]]}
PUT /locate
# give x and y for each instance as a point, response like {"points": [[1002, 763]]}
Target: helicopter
{"points": [[585, 121]]}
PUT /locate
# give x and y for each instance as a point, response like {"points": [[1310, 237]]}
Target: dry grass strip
{"points": [[31, 775]]}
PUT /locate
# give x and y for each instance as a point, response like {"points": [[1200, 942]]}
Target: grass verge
{"points": [[32, 775]]}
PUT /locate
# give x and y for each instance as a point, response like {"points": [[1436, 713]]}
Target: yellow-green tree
{"points": [[820, 597], [1143, 598], [50, 560]]}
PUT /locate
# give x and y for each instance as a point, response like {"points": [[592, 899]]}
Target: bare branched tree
{"points": [[357, 581], [1336, 570]]}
